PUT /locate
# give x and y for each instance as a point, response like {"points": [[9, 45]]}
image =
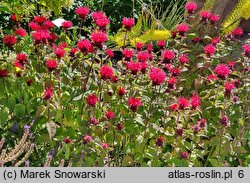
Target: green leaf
{"points": [[19, 110], [127, 161], [3, 117]]}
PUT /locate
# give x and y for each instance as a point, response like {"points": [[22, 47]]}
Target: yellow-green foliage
{"points": [[209, 5], [241, 10]]}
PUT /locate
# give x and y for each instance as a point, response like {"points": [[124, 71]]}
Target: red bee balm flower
{"points": [[106, 72], [171, 82], [82, 12], [110, 53], [121, 91], [134, 103], [229, 86], [87, 139], [67, 24], [184, 155], [202, 123], [195, 101], [246, 49], [183, 58], [134, 67], [183, 103], [92, 99], [190, 7], [139, 46], [119, 126], [205, 15], [3, 73], [85, 46], [167, 56], [128, 53], [48, 93], [21, 32], [159, 141], [104, 145], [224, 120], [174, 107], [237, 32], [99, 38], [157, 76], [128, 23], [110, 114], [214, 19], [21, 57], [51, 65], [9, 40], [222, 71], [182, 29], [209, 50], [143, 56], [161, 44], [60, 53]]}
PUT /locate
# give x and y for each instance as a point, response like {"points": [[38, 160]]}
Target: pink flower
{"points": [[128, 23], [102, 22], [195, 101], [202, 123], [3, 73], [222, 71], [40, 19], [104, 145], [184, 155], [183, 58], [171, 82], [110, 115], [190, 7], [21, 32], [246, 49], [94, 121], [143, 56], [87, 139], [134, 103], [99, 38], [212, 77], [139, 46], [157, 76], [174, 107], [150, 47], [67, 24], [60, 53], [224, 120], [214, 18], [182, 29], [110, 53], [159, 141], [48, 24], [183, 103], [237, 32], [21, 57], [229, 86], [216, 40], [205, 15], [128, 53], [134, 67], [175, 71], [196, 128], [98, 15], [144, 67], [85, 46], [161, 44], [48, 93], [106, 72], [51, 65], [209, 50], [9, 40], [167, 56], [82, 12], [92, 100], [119, 126], [121, 91]]}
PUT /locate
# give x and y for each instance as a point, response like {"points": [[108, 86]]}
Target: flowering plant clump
{"points": [[183, 101]]}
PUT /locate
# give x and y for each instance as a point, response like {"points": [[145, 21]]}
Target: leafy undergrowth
{"points": [[180, 102]]}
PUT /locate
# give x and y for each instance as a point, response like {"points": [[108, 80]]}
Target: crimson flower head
{"points": [[205, 15], [224, 121], [40, 19], [21, 57], [85, 46], [102, 23], [190, 7], [175, 71], [157, 76], [229, 86], [119, 126], [179, 131], [214, 18], [182, 29], [183, 59], [67, 140], [60, 52], [15, 18], [106, 72], [143, 56], [246, 49], [144, 67], [150, 47], [87, 139], [110, 53], [3, 73], [110, 114], [183, 103], [121, 91], [161, 44], [104, 145], [128, 53], [195, 101], [51, 65], [92, 100], [94, 121], [67, 24], [159, 141], [139, 46], [134, 103], [237, 32], [222, 71], [98, 15], [134, 67], [73, 52], [212, 77], [216, 40], [196, 128], [184, 155], [48, 93], [209, 50], [21, 32], [171, 82], [167, 56], [48, 24], [9, 40], [82, 12], [99, 38], [202, 123], [128, 23], [174, 107]]}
